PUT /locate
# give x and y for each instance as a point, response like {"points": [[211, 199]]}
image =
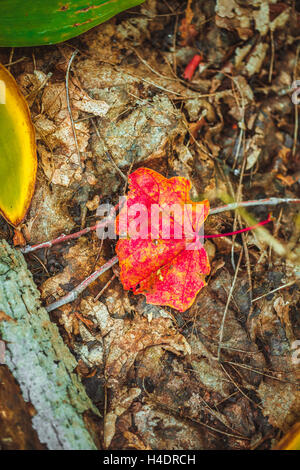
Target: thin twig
{"points": [[16, 61], [215, 210], [41, 263], [238, 387], [274, 290], [213, 412], [156, 85], [69, 106], [82, 286], [275, 233], [296, 107], [257, 371], [272, 56], [227, 305], [149, 66], [271, 201], [105, 287], [12, 51], [174, 47], [248, 266], [107, 153]]}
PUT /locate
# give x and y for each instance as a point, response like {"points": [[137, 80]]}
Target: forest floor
{"points": [[231, 128]]}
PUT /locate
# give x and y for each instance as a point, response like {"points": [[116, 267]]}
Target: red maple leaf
{"points": [[167, 269]]}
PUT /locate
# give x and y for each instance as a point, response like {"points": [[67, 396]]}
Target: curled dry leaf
{"points": [[137, 336]]}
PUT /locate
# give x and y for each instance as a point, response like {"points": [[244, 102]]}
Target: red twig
{"points": [[64, 238], [191, 67], [247, 229]]}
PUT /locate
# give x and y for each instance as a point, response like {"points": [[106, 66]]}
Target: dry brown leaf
{"points": [[119, 405], [136, 337], [124, 339], [80, 263], [134, 441], [55, 132], [281, 403]]}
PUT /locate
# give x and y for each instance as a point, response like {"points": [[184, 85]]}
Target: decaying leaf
{"points": [[124, 339], [18, 162], [134, 441], [80, 261], [280, 403]]}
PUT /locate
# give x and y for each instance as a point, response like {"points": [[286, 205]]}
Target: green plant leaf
{"points": [[18, 161], [38, 22]]}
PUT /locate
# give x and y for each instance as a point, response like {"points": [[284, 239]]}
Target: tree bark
{"points": [[39, 360]]}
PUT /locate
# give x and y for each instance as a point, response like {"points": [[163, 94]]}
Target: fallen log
{"points": [[41, 363]]}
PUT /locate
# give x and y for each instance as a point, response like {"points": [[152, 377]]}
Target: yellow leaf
{"points": [[18, 161], [291, 441]]}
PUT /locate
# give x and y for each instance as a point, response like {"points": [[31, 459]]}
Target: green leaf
{"points": [[38, 22]]}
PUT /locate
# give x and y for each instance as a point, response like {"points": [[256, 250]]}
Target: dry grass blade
{"points": [[69, 105], [227, 305]]}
